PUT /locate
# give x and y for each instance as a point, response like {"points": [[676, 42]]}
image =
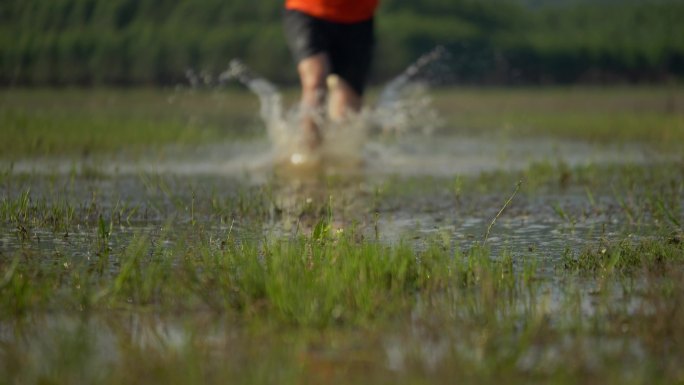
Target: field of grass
{"points": [[653, 115], [77, 122], [84, 122], [552, 274], [191, 285]]}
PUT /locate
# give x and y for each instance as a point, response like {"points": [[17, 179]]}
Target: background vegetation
{"points": [[94, 122], [154, 42]]}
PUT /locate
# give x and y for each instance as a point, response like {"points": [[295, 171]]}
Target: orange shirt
{"points": [[340, 11]]}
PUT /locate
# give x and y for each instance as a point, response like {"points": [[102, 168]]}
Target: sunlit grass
{"points": [[628, 255], [92, 122], [87, 122], [165, 279], [649, 115]]}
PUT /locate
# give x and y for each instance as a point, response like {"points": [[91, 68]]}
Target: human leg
{"points": [[313, 72], [307, 37], [351, 52], [322, 48], [343, 100]]}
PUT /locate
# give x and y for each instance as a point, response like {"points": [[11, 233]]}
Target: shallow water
{"points": [[542, 225], [414, 155], [192, 189], [177, 186], [402, 186]]}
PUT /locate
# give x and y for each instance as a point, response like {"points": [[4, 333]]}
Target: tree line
{"points": [[154, 42]]}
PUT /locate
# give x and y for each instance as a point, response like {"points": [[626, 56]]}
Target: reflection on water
{"points": [[410, 155], [403, 106], [429, 340], [292, 204], [250, 190]]}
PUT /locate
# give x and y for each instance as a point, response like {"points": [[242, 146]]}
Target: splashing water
{"points": [[270, 100], [404, 103], [403, 106], [283, 129]]}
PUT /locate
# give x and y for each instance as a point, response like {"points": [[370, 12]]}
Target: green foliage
{"points": [[181, 298], [45, 122], [628, 256], [154, 42], [305, 282]]}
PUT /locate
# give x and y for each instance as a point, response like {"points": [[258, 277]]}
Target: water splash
{"points": [[269, 96], [282, 127], [403, 106], [404, 103]]}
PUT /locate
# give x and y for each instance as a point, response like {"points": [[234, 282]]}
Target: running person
{"points": [[332, 42]]}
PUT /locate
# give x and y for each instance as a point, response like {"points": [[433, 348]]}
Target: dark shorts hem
{"points": [[349, 46]]}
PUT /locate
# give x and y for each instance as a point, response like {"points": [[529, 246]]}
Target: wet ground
{"points": [[107, 264], [425, 173], [406, 155]]}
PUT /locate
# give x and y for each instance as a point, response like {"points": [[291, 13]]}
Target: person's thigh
{"points": [[351, 53], [306, 36]]}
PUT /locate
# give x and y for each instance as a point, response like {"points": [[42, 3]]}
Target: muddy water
{"points": [[154, 190], [240, 188], [186, 188], [409, 155], [165, 199]]}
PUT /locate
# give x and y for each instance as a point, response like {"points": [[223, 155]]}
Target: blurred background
{"points": [[497, 42]]}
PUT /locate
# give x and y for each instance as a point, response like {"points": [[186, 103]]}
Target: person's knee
{"points": [[313, 71], [343, 98]]}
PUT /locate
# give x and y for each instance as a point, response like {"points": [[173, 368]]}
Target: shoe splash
{"points": [[403, 106]]}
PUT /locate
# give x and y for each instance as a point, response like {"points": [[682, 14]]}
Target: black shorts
{"points": [[348, 45]]}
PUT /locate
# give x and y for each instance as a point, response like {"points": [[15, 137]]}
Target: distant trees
{"points": [[126, 42]]}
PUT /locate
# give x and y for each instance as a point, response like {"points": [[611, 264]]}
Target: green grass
{"points": [[91, 122], [650, 115], [76, 122], [305, 282], [327, 309], [196, 280], [627, 255]]}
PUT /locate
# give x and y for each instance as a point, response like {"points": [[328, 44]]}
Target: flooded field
{"points": [[501, 247]]}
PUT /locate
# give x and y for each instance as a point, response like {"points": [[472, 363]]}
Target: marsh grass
{"points": [[629, 255], [434, 315], [89, 123], [181, 282], [653, 115], [312, 280], [178, 280]]}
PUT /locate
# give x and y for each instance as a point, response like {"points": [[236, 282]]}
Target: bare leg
{"points": [[342, 99], [312, 73]]}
